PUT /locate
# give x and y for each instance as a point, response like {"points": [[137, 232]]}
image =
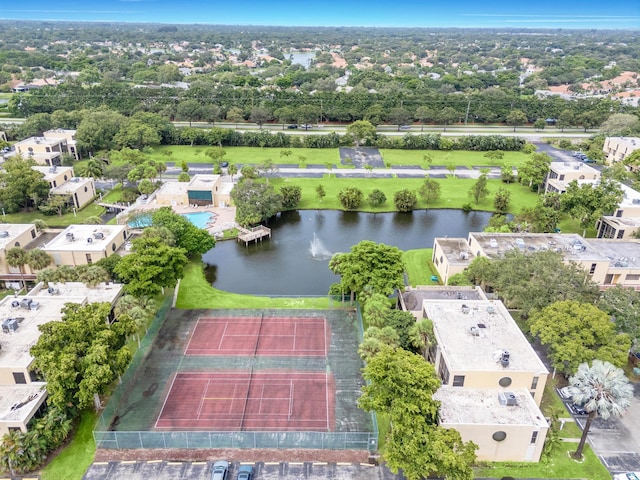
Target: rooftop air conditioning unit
{"points": [[465, 309], [98, 235], [34, 305], [26, 303], [9, 325], [70, 236], [507, 398], [491, 309], [636, 201], [504, 358], [475, 331], [4, 233]]}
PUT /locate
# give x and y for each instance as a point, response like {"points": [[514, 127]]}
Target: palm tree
{"points": [[94, 220], [94, 169], [17, 257], [603, 390], [38, 259]]}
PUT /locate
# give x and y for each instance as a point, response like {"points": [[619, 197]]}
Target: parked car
{"points": [[588, 160], [564, 393], [245, 472], [405, 127], [306, 126], [577, 409], [220, 470], [292, 127], [224, 164]]}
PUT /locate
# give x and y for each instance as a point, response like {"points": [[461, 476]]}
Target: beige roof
{"points": [[18, 402], [44, 307], [86, 238], [10, 231], [51, 173], [73, 185], [472, 334], [481, 406]]}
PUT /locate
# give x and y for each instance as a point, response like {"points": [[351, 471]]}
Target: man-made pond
{"points": [[295, 260]]}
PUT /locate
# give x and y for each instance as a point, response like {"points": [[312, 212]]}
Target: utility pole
{"points": [[466, 115]]}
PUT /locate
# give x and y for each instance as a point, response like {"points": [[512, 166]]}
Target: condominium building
{"points": [[86, 244], [608, 262], [21, 393], [492, 379], [617, 149]]}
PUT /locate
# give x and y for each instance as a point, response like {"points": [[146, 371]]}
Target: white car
{"points": [[564, 393], [220, 470]]}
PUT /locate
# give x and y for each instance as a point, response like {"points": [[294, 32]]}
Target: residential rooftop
{"points": [[73, 185], [483, 407], [473, 334], [631, 196], [573, 166], [203, 182], [86, 238], [42, 305], [18, 402], [572, 246], [51, 173], [10, 231], [413, 297]]}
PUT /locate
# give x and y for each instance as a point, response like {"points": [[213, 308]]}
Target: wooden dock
{"points": [[256, 233]]}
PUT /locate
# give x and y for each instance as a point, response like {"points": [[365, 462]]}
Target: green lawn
{"points": [[245, 155], [558, 465], [442, 158], [76, 457], [454, 192], [419, 267], [196, 292], [65, 220]]}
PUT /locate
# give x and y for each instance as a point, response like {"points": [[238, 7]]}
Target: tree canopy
{"points": [[255, 202], [401, 387], [82, 354], [375, 266], [576, 333]]}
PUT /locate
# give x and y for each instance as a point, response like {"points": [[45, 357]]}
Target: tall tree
{"points": [[603, 390], [151, 266], [401, 387], [516, 118], [17, 257], [375, 266], [479, 190], [405, 200], [260, 116], [361, 130], [255, 202], [587, 202], [578, 332]]}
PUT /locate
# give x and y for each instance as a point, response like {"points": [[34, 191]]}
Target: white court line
{"points": [[166, 398]]}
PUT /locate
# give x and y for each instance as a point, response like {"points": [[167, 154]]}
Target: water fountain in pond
{"points": [[317, 249]]}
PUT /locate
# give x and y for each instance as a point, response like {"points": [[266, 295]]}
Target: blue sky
{"points": [[614, 14]]}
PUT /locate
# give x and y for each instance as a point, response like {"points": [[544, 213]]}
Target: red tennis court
{"points": [[268, 336], [259, 401]]}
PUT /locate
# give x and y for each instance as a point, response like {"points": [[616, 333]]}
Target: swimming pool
{"points": [[200, 219]]}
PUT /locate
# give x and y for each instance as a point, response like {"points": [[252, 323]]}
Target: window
{"points": [[534, 383], [505, 381], [561, 177], [443, 371], [441, 258], [17, 244], [620, 234], [633, 277], [113, 247], [592, 270], [14, 429], [19, 377], [619, 213], [534, 438], [33, 234], [85, 189], [458, 380], [88, 255]]}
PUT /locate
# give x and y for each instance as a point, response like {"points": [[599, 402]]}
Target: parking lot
{"points": [[616, 441], [161, 470]]}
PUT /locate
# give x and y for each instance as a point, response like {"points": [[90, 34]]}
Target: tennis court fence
{"points": [[273, 440], [111, 432]]}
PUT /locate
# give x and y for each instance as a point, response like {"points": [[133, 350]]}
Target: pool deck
{"points": [[225, 217]]}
